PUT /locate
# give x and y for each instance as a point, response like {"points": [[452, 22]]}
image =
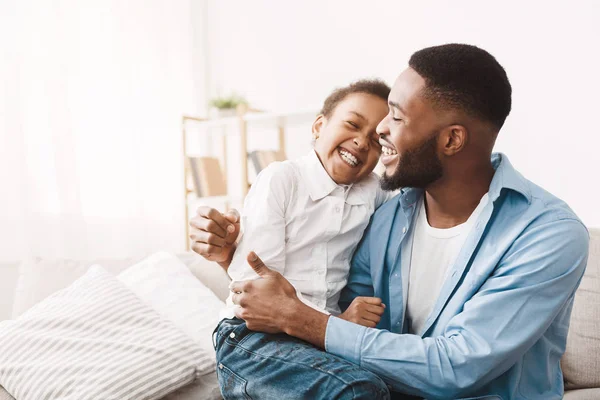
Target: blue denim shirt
{"points": [[499, 326]]}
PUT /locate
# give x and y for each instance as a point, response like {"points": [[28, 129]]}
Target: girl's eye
{"points": [[352, 124]]}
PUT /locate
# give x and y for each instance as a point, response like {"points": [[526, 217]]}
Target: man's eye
{"points": [[397, 119]]}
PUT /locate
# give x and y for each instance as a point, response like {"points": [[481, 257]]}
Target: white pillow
{"points": [[96, 340], [39, 278], [168, 286]]}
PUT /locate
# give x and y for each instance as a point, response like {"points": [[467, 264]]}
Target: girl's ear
{"points": [[318, 125]]}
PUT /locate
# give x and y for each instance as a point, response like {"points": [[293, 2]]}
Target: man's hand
{"points": [[270, 304], [213, 234], [365, 311], [264, 303]]}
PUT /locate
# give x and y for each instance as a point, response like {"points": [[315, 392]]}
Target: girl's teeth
{"points": [[349, 158]]}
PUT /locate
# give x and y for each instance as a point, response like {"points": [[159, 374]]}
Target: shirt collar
{"points": [[316, 178], [320, 184], [505, 177]]}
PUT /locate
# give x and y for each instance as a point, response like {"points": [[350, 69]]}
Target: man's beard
{"points": [[416, 168]]}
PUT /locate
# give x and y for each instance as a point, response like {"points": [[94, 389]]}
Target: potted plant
{"points": [[226, 106]]}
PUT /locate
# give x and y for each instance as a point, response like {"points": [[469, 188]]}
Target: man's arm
{"points": [[510, 312], [270, 305]]}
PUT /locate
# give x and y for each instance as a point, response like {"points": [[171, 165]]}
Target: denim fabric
{"points": [[260, 366]]}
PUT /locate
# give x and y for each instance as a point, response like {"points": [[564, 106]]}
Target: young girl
{"points": [[304, 218]]}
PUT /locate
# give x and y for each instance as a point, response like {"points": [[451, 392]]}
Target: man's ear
{"points": [[455, 139], [318, 125]]}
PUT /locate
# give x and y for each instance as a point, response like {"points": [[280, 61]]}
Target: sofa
{"points": [[24, 284]]}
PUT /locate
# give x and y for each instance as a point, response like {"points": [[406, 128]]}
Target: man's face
{"points": [[409, 136]]}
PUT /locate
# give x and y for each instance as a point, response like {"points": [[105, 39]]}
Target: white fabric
{"points": [[433, 252], [91, 99], [96, 340], [39, 278], [163, 282], [304, 225]]}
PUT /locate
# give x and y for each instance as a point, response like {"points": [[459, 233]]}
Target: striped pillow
{"points": [[96, 340]]}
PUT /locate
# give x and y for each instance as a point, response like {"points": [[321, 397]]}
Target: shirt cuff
{"points": [[344, 339]]}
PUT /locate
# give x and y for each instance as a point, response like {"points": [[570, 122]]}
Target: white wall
{"points": [[91, 99], [285, 55]]}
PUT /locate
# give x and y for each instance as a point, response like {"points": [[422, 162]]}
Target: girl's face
{"points": [[347, 142]]}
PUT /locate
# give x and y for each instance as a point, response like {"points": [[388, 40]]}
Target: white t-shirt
{"points": [[433, 252], [305, 226]]}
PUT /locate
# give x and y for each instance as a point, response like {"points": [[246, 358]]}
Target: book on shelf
{"points": [[262, 158], [206, 176]]}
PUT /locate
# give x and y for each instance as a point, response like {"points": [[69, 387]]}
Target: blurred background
{"points": [[117, 118]]}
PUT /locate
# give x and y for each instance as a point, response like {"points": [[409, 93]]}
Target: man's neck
{"points": [[451, 201]]}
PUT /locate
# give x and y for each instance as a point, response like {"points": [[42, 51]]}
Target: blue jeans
{"points": [[261, 366]]}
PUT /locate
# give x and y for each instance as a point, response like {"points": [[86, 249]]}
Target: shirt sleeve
{"points": [[359, 278], [263, 221], [510, 312]]}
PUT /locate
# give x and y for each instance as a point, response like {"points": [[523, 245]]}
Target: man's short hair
{"points": [[466, 78], [374, 87]]}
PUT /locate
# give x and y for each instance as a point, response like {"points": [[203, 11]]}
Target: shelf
{"points": [[279, 117]]}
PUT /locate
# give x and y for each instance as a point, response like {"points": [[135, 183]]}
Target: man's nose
{"points": [[382, 128]]}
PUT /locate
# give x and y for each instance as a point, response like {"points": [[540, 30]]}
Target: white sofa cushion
{"points": [[39, 278], [96, 339], [209, 273], [166, 284]]}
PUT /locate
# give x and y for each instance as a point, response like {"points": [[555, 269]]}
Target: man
{"points": [[476, 265]]}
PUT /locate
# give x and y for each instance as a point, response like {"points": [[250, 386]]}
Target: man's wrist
{"points": [[306, 323]]}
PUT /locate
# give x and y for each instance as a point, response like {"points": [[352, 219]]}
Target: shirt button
{"points": [[220, 366], [396, 275], [337, 209], [232, 335], [404, 230]]}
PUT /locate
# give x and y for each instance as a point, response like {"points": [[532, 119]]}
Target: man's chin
{"points": [[388, 183]]}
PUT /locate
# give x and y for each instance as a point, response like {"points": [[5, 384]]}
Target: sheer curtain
{"points": [[91, 98]]}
